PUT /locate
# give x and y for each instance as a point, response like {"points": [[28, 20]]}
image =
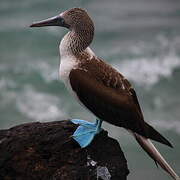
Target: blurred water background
{"points": [[141, 38]]}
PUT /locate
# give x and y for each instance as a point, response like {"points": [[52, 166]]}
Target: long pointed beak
{"points": [[54, 21]]}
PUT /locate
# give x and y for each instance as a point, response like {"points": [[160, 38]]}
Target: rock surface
{"points": [[46, 151]]}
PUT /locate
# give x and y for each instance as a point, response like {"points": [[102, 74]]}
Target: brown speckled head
{"points": [[80, 25], [77, 19]]}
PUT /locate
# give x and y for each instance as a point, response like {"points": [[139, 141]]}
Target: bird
{"points": [[100, 88]]}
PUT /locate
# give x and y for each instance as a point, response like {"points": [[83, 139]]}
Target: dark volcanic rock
{"points": [[46, 151]]}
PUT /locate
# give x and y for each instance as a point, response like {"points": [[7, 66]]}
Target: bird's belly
{"points": [[64, 71], [66, 65], [66, 81]]}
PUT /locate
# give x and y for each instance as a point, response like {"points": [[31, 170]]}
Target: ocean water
{"points": [[140, 38]]}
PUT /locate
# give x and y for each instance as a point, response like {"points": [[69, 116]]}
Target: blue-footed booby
{"points": [[99, 87]]}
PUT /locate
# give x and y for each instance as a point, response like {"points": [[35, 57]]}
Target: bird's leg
{"points": [[86, 131]]}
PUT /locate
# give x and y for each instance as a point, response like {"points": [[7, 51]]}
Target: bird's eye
{"points": [[62, 21]]}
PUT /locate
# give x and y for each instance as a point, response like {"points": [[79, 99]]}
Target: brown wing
{"points": [[109, 99], [107, 94]]}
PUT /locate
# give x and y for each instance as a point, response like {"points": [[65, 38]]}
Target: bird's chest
{"points": [[66, 65]]}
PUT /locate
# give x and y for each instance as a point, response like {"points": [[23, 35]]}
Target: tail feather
{"points": [[154, 135], [150, 149]]}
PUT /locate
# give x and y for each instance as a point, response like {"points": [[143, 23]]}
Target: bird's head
{"points": [[75, 19], [80, 25]]}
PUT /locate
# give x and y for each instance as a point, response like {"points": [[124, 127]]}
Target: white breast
{"points": [[67, 63]]}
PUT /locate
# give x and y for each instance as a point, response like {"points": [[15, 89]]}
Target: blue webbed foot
{"points": [[86, 131]]}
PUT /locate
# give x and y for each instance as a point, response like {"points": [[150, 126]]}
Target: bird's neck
{"points": [[74, 43]]}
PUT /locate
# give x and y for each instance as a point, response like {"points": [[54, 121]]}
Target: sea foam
{"points": [[40, 106], [148, 71]]}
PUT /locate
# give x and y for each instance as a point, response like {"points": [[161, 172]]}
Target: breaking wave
{"points": [[40, 106], [148, 71]]}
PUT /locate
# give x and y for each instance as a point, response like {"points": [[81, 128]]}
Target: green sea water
{"points": [[140, 38]]}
